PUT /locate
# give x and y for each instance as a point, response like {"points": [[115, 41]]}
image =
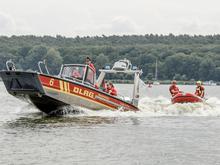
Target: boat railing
{"points": [[40, 63], [10, 65]]}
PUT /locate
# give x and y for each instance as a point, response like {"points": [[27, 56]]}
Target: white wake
{"points": [[162, 106]]}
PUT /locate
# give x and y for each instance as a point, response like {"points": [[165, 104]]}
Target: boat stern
{"points": [[20, 82]]}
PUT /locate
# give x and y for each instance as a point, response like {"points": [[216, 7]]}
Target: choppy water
{"points": [[161, 133]]}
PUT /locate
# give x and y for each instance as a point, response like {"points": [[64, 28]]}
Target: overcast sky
{"points": [[109, 17]]}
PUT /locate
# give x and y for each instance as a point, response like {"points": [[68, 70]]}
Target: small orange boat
{"points": [[186, 98]]}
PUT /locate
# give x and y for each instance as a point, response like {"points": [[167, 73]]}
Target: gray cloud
{"points": [[119, 25], [97, 17], [10, 26], [123, 25], [7, 24]]}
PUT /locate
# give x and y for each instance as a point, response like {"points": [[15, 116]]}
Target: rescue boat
{"points": [[49, 93], [186, 98]]}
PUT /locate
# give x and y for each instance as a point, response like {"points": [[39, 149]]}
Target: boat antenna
{"points": [[155, 71]]}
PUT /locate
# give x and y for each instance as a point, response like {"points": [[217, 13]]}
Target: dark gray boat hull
{"points": [[27, 86]]}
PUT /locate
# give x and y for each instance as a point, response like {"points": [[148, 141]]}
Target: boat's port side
{"points": [[74, 93], [186, 98]]}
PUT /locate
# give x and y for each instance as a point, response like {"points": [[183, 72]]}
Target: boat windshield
{"points": [[76, 72], [79, 72]]}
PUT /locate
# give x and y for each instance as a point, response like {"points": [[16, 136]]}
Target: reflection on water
{"points": [[59, 121]]}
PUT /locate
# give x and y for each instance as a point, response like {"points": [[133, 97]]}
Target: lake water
{"points": [[161, 133]]}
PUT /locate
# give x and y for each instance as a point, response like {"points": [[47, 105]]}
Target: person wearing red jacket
{"points": [[173, 88], [90, 75], [76, 73], [89, 62], [200, 90], [111, 89]]}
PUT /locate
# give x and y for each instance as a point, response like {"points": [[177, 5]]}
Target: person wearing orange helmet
{"points": [[200, 90], [173, 88]]}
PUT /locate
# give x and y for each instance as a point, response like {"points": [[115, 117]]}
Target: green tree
{"points": [[217, 74], [101, 61], [182, 55], [206, 69], [37, 53], [54, 60]]}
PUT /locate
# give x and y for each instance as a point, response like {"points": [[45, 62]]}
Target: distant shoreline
{"points": [[162, 82], [166, 82]]}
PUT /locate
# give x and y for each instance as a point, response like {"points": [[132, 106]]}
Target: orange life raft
{"points": [[186, 98]]}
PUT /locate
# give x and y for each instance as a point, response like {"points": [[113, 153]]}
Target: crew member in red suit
{"points": [[111, 89], [200, 90], [89, 62], [173, 88], [90, 75], [76, 73]]}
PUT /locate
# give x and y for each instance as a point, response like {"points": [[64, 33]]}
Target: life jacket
{"points": [[200, 91], [96, 86], [92, 67], [76, 74], [112, 91], [173, 90]]}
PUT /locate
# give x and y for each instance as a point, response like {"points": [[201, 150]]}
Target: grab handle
{"points": [[45, 66], [10, 65]]}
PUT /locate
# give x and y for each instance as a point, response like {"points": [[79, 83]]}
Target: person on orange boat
{"points": [[200, 90], [89, 62], [91, 71], [111, 89], [76, 73], [173, 88], [104, 86]]}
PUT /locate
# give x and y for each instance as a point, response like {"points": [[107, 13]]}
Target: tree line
{"points": [[181, 57]]}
